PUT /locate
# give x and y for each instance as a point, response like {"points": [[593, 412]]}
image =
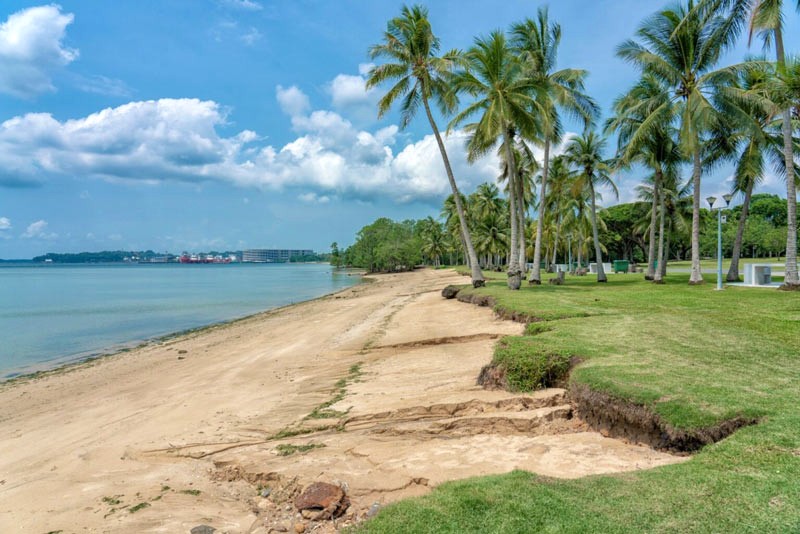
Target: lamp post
{"points": [[711, 201]]}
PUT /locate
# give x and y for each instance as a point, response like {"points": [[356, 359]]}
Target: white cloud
{"points": [[31, 48], [168, 139], [5, 223], [38, 230], [101, 85], [292, 100], [246, 5], [350, 94], [313, 198]]}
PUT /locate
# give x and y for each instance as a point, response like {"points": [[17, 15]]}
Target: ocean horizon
{"points": [[55, 314]]}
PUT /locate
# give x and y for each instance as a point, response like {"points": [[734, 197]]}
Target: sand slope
{"points": [[195, 414]]}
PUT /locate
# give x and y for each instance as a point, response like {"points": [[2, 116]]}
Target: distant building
{"points": [[272, 255]]}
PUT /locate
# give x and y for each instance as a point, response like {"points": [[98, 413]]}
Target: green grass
{"points": [[693, 355], [285, 449]]}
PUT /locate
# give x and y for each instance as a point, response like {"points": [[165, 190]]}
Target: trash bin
{"points": [[621, 266]]}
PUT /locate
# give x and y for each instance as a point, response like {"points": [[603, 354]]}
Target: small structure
{"points": [[758, 274], [593, 268]]}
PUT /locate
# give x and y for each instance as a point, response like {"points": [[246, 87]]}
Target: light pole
{"points": [[711, 201]]}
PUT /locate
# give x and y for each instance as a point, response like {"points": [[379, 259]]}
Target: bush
{"points": [[527, 366]]}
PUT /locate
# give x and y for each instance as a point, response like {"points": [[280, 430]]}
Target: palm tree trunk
{"points": [[651, 248], [601, 274], [733, 271], [696, 277], [477, 275], [555, 244], [514, 271], [663, 267], [521, 236], [791, 280], [659, 271], [536, 275]]}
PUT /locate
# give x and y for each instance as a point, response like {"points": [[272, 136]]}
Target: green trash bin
{"points": [[621, 266]]}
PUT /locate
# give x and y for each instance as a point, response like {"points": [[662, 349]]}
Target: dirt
{"points": [[197, 439]]}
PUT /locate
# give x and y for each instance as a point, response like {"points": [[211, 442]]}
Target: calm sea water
{"points": [[51, 314]]}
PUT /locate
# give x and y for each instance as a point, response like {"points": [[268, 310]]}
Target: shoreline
{"points": [[64, 364], [373, 386]]}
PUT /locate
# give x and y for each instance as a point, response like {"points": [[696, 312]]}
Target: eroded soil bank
{"points": [[373, 388]]}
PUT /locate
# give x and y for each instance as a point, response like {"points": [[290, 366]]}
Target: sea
{"points": [[52, 314]]}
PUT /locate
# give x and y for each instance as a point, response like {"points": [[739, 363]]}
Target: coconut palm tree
{"points": [[420, 77], [537, 43], [502, 97], [681, 47], [762, 141], [527, 167], [765, 18], [655, 151], [558, 198], [586, 153], [433, 240]]}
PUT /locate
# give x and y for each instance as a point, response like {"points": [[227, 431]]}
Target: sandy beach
{"points": [[187, 431]]}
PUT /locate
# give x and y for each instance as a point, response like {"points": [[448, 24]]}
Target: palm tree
{"points": [[557, 198], [527, 167], [680, 48], [586, 153], [762, 139], [433, 240], [503, 98], [656, 150], [537, 43], [765, 17], [420, 74]]}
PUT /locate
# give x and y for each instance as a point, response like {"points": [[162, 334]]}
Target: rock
{"points": [[265, 492], [309, 514], [203, 529], [327, 500], [263, 504], [300, 528], [280, 528], [450, 292]]}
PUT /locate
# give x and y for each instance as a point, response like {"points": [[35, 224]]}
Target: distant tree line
{"points": [[386, 245]]}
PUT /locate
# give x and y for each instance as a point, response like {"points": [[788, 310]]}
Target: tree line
{"points": [[684, 116]]}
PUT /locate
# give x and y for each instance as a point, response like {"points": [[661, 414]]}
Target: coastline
{"points": [[64, 364], [373, 386]]}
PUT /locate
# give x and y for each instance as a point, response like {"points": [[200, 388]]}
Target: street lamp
{"points": [[711, 200]]}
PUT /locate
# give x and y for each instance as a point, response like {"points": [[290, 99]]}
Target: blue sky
{"points": [[226, 124]]}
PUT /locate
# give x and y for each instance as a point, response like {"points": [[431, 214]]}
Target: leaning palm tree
{"points": [[586, 153], [537, 43], [420, 74], [502, 97], [765, 17], [680, 47]]}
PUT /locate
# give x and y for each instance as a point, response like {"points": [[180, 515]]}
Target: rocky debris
{"points": [[558, 280], [265, 492], [450, 292], [203, 529], [322, 501], [374, 509]]}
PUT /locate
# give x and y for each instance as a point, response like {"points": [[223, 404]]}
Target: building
{"points": [[272, 255]]}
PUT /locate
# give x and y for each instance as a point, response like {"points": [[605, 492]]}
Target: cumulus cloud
{"points": [[38, 230], [292, 100], [178, 139], [5, 223], [31, 48]]}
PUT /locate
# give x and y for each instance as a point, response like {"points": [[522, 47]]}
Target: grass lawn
{"points": [[693, 355], [726, 263]]}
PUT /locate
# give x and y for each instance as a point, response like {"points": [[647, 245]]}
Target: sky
{"points": [[197, 125]]}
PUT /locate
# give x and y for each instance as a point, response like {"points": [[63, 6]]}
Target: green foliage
{"points": [[386, 246], [140, 506], [528, 367]]}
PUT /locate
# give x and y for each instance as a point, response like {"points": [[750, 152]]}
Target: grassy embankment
{"points": [[694, 356]]}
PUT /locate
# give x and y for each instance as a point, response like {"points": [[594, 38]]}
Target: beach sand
{"points": [[180, 432]]}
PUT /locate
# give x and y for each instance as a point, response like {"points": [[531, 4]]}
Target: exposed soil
{"points": [[621, 419]]}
